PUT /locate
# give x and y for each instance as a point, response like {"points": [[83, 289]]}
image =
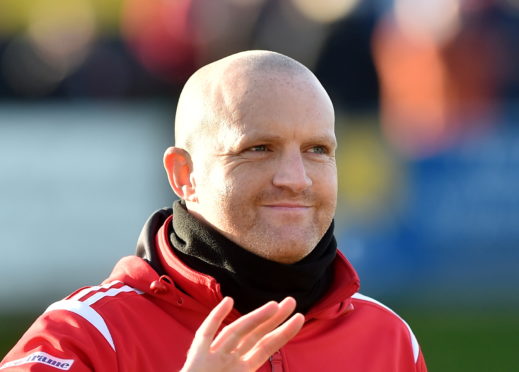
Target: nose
{"points": [[291, 173]]}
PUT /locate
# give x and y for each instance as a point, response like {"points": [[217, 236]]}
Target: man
{"points": [[254, 168]]}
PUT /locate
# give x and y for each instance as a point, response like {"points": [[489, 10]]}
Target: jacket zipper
{"points": [[276, 362]]}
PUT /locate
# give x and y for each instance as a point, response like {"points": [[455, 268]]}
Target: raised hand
{"points": [[245, 344]]}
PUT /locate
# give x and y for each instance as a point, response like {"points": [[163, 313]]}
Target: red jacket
{"points": [[137, 321]]}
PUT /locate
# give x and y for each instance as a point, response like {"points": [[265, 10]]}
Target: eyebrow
{"points": [[328, 140], [324, 139]]}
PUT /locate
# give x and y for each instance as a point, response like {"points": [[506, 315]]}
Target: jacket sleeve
{"points": [[61, 340], [420, 363]]}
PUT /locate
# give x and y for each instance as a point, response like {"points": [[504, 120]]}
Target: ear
{"points": [[179, 168]]}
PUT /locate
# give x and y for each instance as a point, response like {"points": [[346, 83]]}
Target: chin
{"points": [[289, 252], [280, 245], [288, 260]]}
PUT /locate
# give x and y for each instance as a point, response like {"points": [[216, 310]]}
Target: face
{"points": [[267, 178]]}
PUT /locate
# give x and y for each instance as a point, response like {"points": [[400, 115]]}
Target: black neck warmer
{"points": [[249, 279]]}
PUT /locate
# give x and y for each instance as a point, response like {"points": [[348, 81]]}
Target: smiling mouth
{"points": [[287, 206]]}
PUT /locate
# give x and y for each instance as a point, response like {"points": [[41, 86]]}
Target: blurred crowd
{"points": [[437, 71]]}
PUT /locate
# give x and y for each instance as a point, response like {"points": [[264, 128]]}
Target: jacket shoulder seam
{"points": [[82, 303], [87, 313], [379, 305]]}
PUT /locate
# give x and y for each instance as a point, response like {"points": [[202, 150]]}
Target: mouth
{"points": [[287, 206]]}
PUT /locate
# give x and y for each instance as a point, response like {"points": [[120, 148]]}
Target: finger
{"points": [[233, 334], [273, 341], [206, 332], [286, 307]]}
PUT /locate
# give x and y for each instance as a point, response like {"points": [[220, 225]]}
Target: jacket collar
{"points": [[160, 273]]}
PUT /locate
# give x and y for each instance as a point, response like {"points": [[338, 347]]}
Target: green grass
{"points": [[458, 341], [451, 341], [12, 327]]}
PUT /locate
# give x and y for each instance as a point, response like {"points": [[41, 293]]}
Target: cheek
{"points": [[210, 188], [326, 191], [225, 190], [246, 179], [239, 192], [325, 181]]}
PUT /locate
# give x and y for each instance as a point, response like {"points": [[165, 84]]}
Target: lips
{"points": [[287, 207]]}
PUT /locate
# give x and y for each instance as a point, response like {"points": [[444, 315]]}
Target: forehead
{"points": [[245, 109], [279, 105]]}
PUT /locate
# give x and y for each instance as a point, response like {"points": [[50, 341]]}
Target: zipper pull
{"points": [[276, 362]]}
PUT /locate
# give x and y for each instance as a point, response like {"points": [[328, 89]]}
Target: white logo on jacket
{"points": [[43, 358]]}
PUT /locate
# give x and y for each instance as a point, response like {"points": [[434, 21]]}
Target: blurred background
{"points": [[427, 99]]}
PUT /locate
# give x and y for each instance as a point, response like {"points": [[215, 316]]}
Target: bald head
{"points": [[255, 153], [212, 94]]}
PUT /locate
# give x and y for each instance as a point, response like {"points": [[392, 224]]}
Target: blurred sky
{"points": [[426, 96]]}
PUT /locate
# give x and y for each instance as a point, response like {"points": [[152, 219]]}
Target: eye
{"points": [[258, 148], [318, 150]]}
